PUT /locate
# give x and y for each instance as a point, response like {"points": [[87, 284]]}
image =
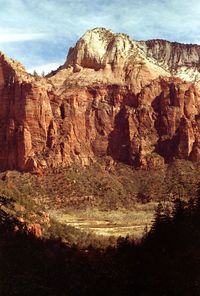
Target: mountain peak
{"points": [[114, 96], [90, 49], [129, 61], [99, 30]]}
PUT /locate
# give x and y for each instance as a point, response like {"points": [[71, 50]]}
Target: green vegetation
{"points": [[94, 205], [100, 228], [74, 254], [104, 185], [166, 262]]}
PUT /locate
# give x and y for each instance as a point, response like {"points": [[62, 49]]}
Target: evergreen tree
{"points": [[35, 74]]}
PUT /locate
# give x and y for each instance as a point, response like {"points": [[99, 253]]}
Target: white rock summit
{"points": [[101, 56]]}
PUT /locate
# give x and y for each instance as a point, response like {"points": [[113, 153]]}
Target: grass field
{"points": [[109, 223]]}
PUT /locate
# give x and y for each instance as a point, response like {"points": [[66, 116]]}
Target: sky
{"points": [[39, 33]]}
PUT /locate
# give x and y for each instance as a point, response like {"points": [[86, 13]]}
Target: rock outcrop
{"points": [[136, 101]]}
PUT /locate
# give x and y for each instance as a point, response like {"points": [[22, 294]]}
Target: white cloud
{"points": [[62, 22], [16, 37], [69, 19]]}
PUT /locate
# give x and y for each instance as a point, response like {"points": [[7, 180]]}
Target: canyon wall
{"points": [[135, 101]]}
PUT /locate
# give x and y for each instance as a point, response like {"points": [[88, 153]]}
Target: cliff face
{"points": [[135, 101], [24, 116], [181, 60], [157, 125]]}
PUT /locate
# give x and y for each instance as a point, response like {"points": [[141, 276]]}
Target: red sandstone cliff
{"points": [[113, 96]]}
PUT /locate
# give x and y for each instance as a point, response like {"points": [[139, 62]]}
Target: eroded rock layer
{"points": [[113, 96]]}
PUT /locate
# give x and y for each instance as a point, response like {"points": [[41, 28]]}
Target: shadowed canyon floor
{"points": [[98, 202]]}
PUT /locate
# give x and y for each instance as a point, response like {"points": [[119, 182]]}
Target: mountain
{"points": [[136, 101], [87, 154]]}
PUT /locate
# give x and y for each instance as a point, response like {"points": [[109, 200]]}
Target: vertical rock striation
{"points": [[137, 101]]}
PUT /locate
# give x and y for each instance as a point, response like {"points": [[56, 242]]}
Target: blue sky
{"points": [[39, 33]]}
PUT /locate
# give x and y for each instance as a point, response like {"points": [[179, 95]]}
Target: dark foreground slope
{"points": [[166, 262]]}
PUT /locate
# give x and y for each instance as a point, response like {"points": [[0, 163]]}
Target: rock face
{"points": [[35, 229], [136, 101], [25, 116]]}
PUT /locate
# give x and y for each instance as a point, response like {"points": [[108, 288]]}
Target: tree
{"points": [[8, 221], [178, 211], [35, 74]]}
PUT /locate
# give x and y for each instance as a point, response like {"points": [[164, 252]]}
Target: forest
{"points": [[165, 262]]}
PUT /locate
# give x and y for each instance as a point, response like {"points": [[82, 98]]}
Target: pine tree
{"points": [[178, 211], [35, 74]]}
